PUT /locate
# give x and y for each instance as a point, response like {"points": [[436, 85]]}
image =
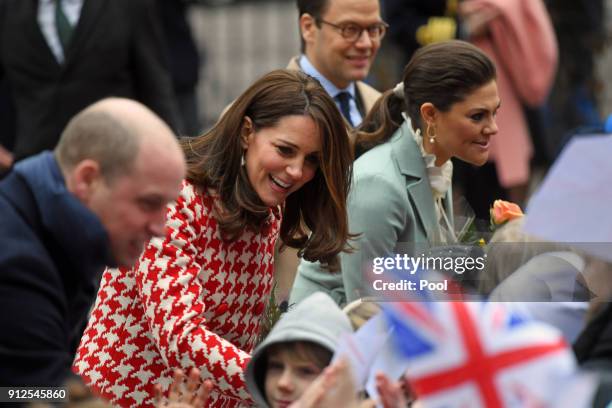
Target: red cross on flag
{"points": [[479, 355]]}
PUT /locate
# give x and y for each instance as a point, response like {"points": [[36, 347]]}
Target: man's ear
{"points": [[308, 26], [84, 179], [246, 132], [428, 113]]}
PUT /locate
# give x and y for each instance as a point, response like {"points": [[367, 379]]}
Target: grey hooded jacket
{"points": [[316, 319]]}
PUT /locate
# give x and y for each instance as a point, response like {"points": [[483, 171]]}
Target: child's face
{"points": [[287, 378]]}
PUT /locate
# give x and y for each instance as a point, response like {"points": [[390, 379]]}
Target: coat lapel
{"points": [[359, 101], [410, 162], [87, 20], [448, 204]]}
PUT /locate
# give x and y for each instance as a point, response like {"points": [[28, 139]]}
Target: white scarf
{"points": [[440, 179]]}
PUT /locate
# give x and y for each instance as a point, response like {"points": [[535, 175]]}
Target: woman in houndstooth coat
{"points": [[276, 164]]}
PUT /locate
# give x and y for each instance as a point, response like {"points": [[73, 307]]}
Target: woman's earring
{"points": [[431, 134], [242, 161]]}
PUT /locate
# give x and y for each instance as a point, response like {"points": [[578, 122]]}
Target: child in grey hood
{"points": [[296, 351]]}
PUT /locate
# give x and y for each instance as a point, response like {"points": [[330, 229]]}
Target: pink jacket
{"points": [[523, 46]]}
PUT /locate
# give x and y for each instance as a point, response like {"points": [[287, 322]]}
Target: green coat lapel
{"points": [[410, 162]]}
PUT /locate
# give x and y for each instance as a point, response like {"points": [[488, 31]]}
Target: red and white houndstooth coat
{"points": [[192, 300]]}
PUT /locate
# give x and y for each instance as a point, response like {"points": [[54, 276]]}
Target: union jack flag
{"points": [[469, 355]]}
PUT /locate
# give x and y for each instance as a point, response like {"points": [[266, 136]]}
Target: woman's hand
{"points": [[476, 19], [185, 391]]}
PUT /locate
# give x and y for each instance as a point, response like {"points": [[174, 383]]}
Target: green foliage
{"points": [[271, 315]]}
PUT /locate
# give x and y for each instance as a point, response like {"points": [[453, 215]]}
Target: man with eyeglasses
{"points": [[340, 39]]}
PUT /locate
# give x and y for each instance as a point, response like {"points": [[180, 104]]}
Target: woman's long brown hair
{"points": [[213, 161]]}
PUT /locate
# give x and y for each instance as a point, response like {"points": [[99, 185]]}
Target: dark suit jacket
{"points": [[116, 50], [52, 254]]}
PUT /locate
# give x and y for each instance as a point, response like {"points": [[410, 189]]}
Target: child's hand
{"points": [[391, 393], [185, 392], [333, 388]]}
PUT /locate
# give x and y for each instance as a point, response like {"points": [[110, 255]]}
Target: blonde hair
{"points": [[360, 311]]}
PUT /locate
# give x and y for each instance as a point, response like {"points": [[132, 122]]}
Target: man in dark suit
{"points": [[59, 56], [64, 215]]}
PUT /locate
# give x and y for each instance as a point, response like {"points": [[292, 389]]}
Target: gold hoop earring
{"points": [[431, 134]]}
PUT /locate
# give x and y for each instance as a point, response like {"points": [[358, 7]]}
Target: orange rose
{"points": [[503, 211]]}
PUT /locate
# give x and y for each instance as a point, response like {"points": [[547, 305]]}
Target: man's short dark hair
{"points": [[315, 8]]}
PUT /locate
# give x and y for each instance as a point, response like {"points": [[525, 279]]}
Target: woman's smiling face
{"points": [[466, 129], [280, 159]]}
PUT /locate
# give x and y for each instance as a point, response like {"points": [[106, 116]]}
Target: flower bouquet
{"points": [[502, 212], [475, 232]]}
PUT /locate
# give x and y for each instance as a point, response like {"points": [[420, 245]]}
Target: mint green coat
{"points": [[390, 205]]}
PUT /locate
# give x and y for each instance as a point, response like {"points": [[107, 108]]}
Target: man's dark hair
{"points": [[315, 8]]}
